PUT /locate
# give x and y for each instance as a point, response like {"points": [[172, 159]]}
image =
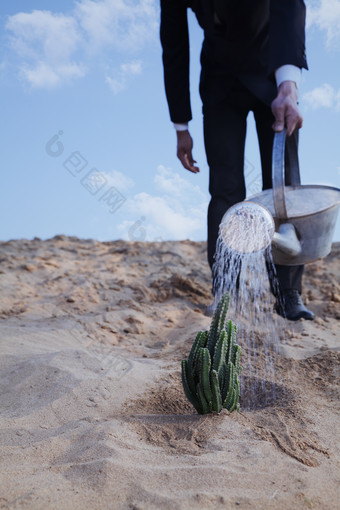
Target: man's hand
{"points": [[184, 151], [285, 109]]}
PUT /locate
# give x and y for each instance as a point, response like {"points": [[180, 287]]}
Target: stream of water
{"points": [[242, 269]]}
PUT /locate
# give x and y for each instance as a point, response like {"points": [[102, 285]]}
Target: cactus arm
{"points": [[189, 377], [226, 382], [237, 357], [230, 386], [222, 375], [203, 402], [191, 395], [228, 329], [213, 331], [198, 365], [194, 349], [217, 323], [198, 342], [216, 394], [232, 341], [236, 395], [205, 365], [196, 360], [220, 351], [224, 310], [230, 398]]}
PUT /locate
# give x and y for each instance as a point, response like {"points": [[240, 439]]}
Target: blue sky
{"points": [[87, 145]]}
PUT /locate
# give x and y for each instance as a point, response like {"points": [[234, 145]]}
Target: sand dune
{"points": [[93, 415]]}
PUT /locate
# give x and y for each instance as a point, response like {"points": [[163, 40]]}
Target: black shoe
{"points": [[292, 307]]}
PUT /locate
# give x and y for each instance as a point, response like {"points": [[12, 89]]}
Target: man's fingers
{"points": [[289, 117], [278, 126], [279, 114], [184, 151], [190, 164], [291, 126], [182, 158], [285, 109], [293, 122]]}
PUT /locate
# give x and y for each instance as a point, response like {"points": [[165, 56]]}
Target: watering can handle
{"points": [[278, 170]]}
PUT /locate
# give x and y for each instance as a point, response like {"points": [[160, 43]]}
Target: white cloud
{"points": [[119, 180], [44, 43], [165, 217], [324, 96], [51, 48], [177, 212], [43, 33], [325, 15], [123, 24], [173, 183], [118, 83], [44, 76]]}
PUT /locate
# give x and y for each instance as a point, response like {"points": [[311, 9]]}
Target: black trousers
{"points": [[224, 138]]}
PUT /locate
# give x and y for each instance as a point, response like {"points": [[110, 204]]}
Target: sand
{"points": [[93, 415]]}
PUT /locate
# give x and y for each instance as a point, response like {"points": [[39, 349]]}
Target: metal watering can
{"points": [[298, 221]]}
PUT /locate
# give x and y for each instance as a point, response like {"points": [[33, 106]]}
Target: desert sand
{"points": [[93, 414]]}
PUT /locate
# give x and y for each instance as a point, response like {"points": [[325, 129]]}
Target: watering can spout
{"points": [[248, 227], [286, 241]]}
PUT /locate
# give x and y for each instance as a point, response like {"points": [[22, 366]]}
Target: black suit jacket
{"points": [[248, 41]]}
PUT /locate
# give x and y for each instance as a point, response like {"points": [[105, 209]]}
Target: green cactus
{"points": [[215, 389], [210, 375]]}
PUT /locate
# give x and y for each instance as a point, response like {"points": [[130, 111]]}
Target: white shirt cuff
{"points": [[288, 72], [181, 127]]}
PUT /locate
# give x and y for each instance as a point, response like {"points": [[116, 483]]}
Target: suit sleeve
{"points": [[287, 34], [175, 43]]}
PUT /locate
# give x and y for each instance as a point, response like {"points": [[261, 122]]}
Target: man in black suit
{"points": [[251, 58]]}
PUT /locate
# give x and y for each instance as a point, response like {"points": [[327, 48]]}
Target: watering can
{"points": [[298, 221]]}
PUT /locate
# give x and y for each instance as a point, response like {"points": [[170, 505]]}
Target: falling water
{"points": [[242, 264]]}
